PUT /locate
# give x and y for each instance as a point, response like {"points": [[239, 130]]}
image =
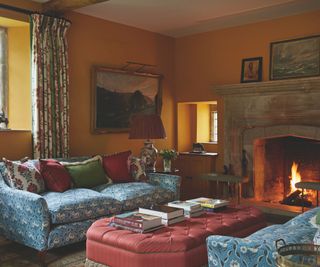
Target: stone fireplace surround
{"points": [[269, 109]]}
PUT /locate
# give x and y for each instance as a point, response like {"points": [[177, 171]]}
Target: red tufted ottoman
{"points": [[182, 244]]}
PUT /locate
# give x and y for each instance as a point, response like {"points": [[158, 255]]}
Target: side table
{"points": [[310, 186], [226, 178]]}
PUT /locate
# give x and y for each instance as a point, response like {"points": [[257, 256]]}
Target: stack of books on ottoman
{"points": [[137, 222], [210, 204], [169, 215], [190, 209]]}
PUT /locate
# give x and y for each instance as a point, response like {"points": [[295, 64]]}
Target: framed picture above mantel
{"points": [[295, 58], [118, 94], [251, 70]]}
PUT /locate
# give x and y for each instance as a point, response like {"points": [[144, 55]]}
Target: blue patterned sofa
{"points": [[49, 220], [259, 249]]}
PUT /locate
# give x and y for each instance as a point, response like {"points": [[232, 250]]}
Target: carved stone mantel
{"points": [[267, 109], [270, 87]]}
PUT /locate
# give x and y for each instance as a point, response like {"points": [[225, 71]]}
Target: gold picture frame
{"points": [[118, 94]]}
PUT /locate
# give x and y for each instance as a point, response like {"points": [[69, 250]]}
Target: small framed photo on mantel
{"points": [[251, 70]]}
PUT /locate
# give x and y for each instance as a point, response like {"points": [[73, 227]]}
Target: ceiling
{"points": [[184, 17]]}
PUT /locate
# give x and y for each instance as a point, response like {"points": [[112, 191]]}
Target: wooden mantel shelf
{"points": [[280, 86]]}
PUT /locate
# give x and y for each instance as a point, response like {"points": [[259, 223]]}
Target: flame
{"points": [[295, 176]]}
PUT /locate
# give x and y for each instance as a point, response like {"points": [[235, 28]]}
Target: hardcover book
{"points": [[193, 214], [136, 230], [187, 206], [163, 211], [173, 221], [210, 202], [137, 220]]}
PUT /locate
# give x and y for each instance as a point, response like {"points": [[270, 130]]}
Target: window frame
{"points": [[4, 81], [214, 137]]}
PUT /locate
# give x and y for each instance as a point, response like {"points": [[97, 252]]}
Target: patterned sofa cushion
{"points": [[136, 194], [79, 204], [24, 176]]}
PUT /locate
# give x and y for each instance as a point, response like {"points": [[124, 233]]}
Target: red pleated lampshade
{"points": [[146, 126]]}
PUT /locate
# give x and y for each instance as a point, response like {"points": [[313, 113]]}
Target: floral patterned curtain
{"points": [[50, 80]]}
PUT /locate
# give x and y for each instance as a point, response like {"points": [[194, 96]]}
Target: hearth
{"points": [[267, 127]]}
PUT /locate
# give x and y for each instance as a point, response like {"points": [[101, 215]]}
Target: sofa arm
{"points": [[167, 181], [231, 251], [24, 217]]}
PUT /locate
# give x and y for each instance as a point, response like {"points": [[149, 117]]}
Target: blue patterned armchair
{"points": [[259, 249], [54, 219]]}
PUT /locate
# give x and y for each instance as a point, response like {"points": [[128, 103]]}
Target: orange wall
{"points": [[190, 64], [205, 59], [94, 41]]}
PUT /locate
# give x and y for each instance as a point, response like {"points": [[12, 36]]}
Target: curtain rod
{"points": [[27, 12], [16, 9]]}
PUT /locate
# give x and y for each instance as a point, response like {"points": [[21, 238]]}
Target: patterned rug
{"points": [[16, 255]]}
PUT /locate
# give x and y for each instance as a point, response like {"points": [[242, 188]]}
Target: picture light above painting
{"points": [[118, 94]]}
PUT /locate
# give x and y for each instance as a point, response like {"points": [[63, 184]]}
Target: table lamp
{"points": [[146, 126]]}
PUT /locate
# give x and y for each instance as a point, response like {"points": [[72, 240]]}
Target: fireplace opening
{"points": [[279, 163]]}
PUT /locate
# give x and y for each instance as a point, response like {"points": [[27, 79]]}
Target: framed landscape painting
{"points": [[117, 95], [295, 58]]}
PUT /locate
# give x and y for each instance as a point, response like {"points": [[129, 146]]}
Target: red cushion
{"points": [[117, 168], [55, 176]]}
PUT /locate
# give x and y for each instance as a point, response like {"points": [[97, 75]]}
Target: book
{"points": [[193, 214], [210, 202], [187, 206], [214, 209], [163, 211], [173, 221], [137, 220], [136, 230]]}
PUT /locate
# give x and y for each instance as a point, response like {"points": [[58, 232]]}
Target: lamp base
{"points": [[149, 156]]}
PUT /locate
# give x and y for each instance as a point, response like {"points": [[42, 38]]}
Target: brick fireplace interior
{"points": [[273, 162]]}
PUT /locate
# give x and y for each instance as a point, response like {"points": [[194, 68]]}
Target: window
{"points": [[3, 74], [214, 126]]}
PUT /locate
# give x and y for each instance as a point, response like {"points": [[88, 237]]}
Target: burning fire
{"points": [[295, 176]]}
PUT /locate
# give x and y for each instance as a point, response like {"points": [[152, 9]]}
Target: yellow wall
{"points": [[186, 131], [19, 78], [203, 122], [205, 59], [16, 144], [94, 41]]}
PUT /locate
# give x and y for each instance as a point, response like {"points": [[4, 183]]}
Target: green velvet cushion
{"points": [[318, 218], [87, 174]]}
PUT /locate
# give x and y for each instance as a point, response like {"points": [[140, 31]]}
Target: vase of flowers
{"points": [[168, 155]]}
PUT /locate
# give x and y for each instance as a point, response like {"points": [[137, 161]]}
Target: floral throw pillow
{"points": [[137, 169], [24, 176]]}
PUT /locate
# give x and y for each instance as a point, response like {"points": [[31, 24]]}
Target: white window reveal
{"points": [[214, 127], [3, 78]]}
